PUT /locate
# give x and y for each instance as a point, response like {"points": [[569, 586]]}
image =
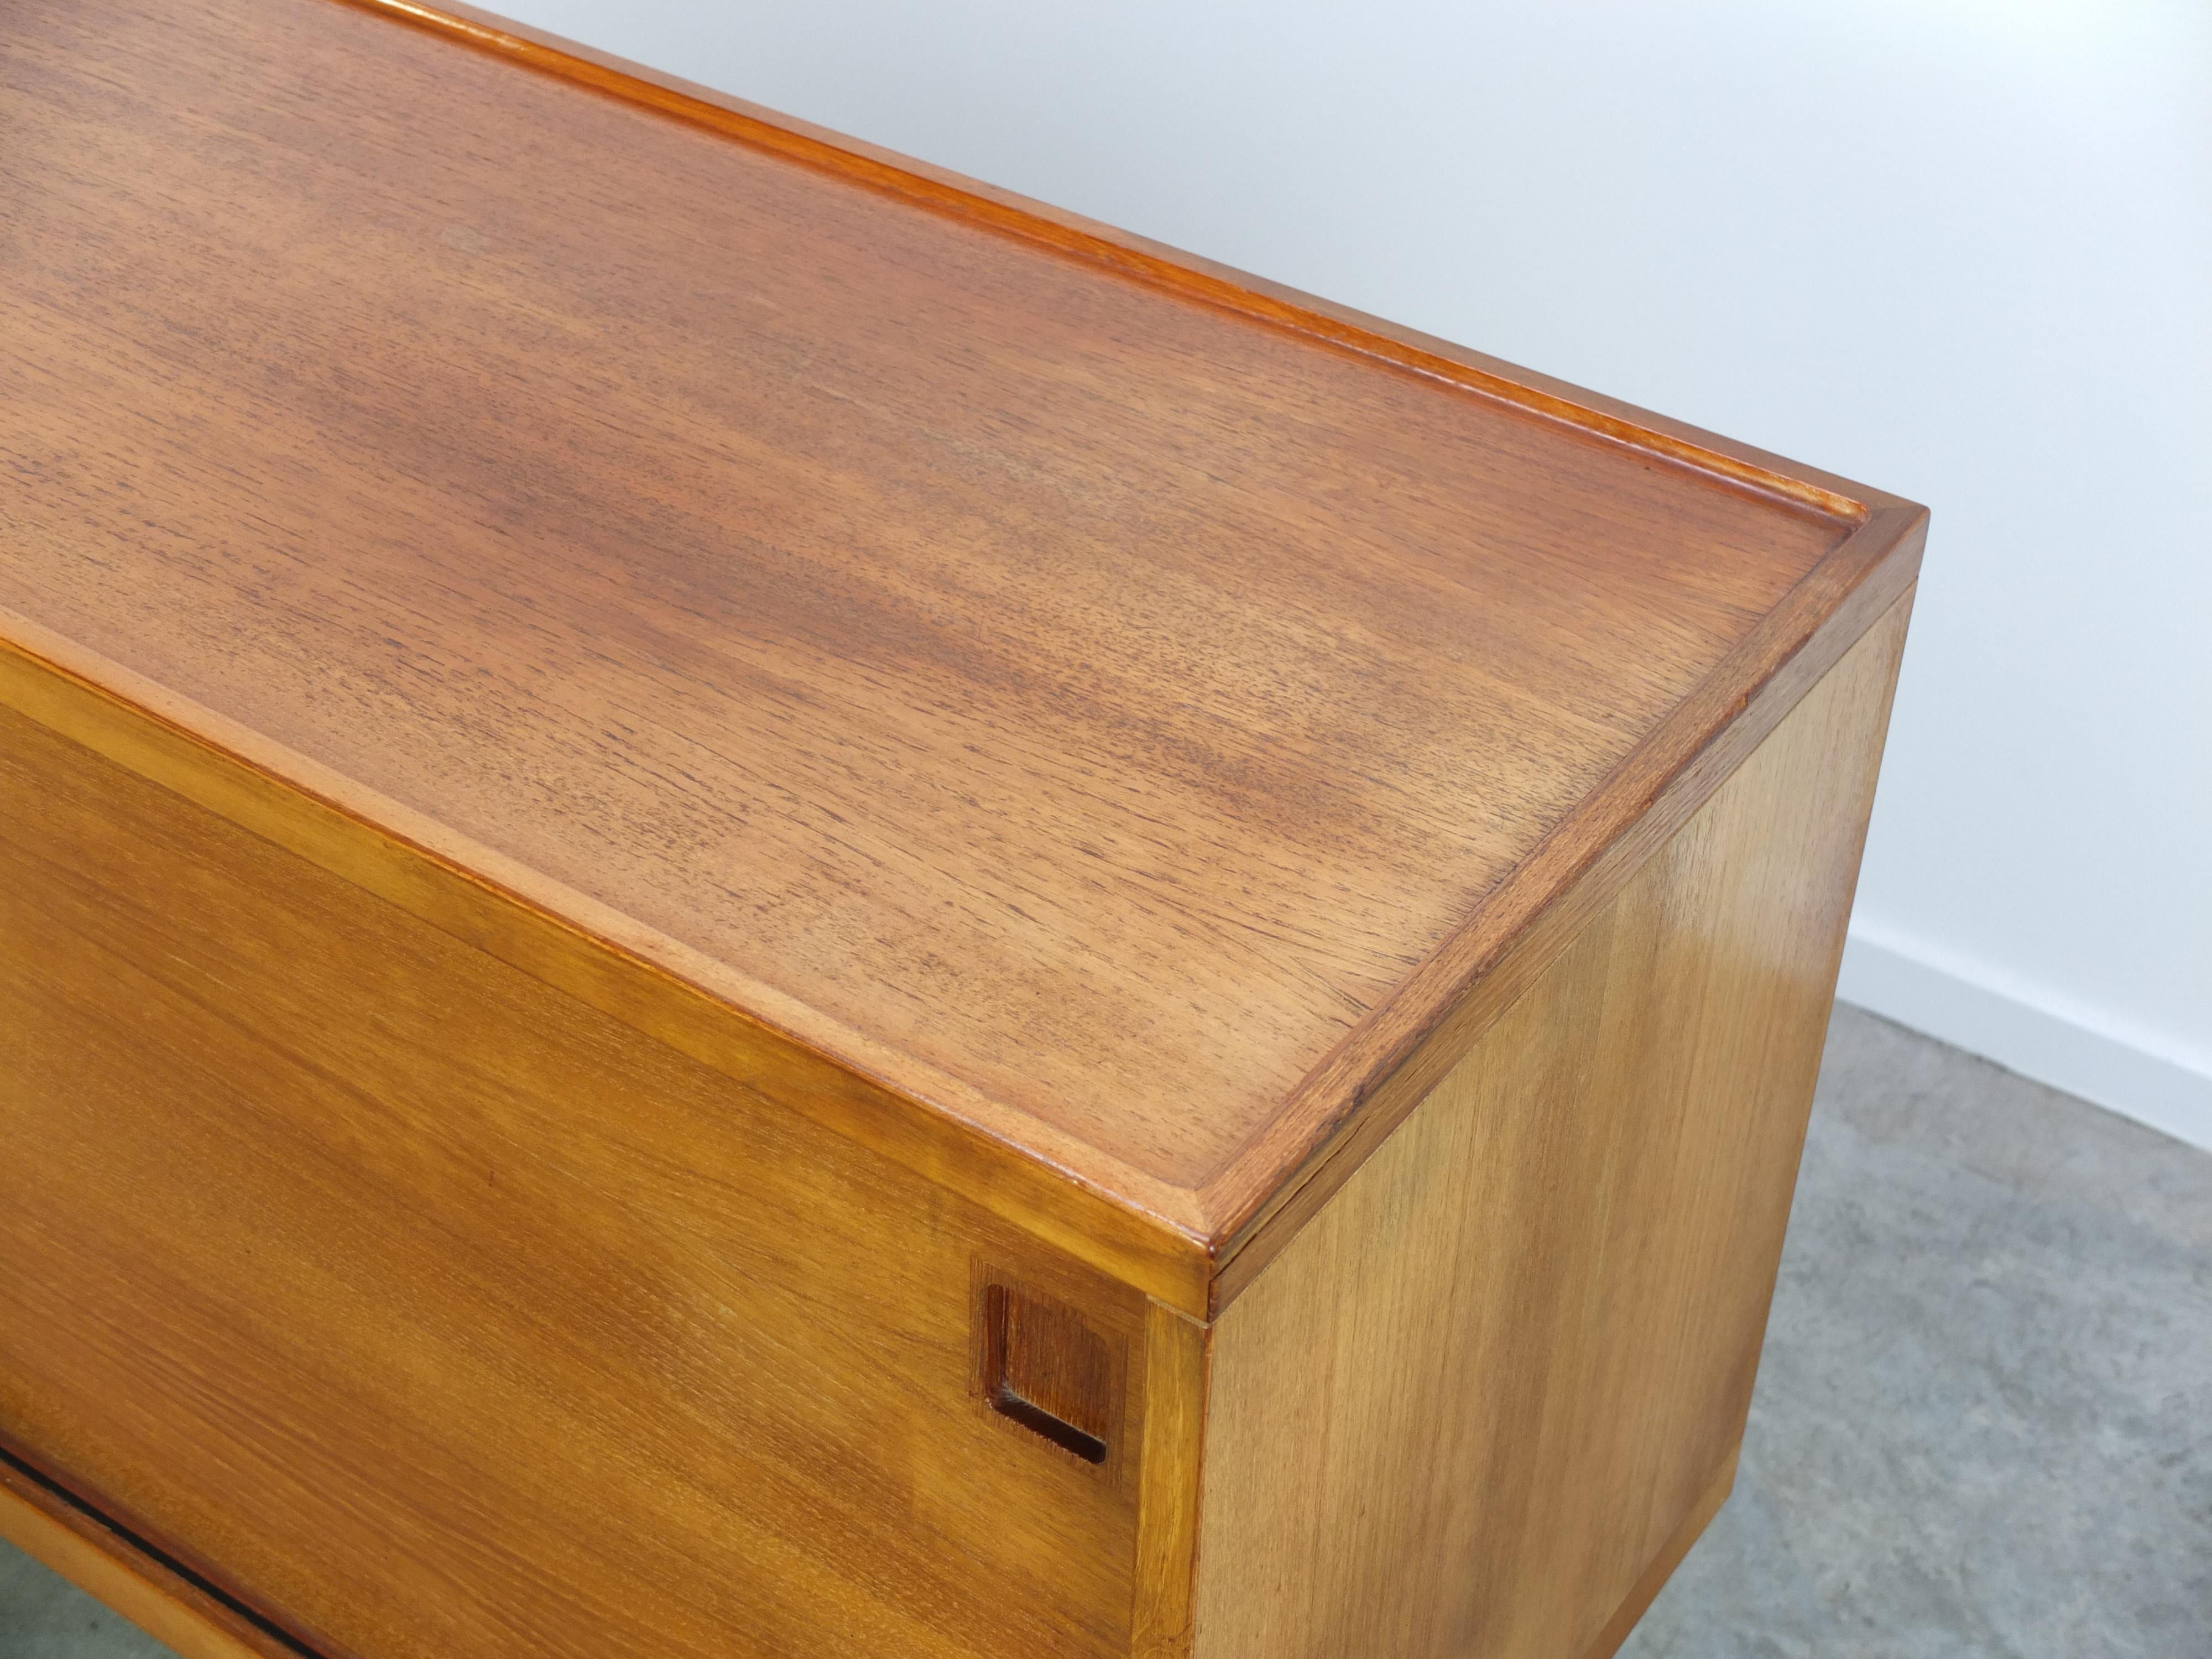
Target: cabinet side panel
{"points": [[1473, 1406], [433, 1312]]}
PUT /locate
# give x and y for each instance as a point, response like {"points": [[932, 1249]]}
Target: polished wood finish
{"points": [[325, 818], [1503, 1369], [1512, 960], [733, 876], [1053, 691], [549, 1338]]}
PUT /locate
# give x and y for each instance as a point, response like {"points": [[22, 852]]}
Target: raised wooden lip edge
{"points": [[1256, 1181], [1348, 1105], [1192, 1248], [1720, 461]]}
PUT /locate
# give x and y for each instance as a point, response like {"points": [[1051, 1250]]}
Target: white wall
{"points": [[1961, 249]]}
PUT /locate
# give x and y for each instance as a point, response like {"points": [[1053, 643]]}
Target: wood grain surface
{"points": [[1117, 710], [326, 819], [438, 1313], [1484, 1400]]}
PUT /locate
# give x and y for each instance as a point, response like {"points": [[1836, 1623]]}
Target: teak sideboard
{"points": [[756, 905]]}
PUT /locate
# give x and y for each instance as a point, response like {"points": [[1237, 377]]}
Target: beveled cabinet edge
{"points": [[1355, 1097], [1416, 1031], [607, 960], [1191, 1249], [1722, 460]]}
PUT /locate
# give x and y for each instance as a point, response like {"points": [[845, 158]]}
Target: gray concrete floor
{"points": [[1984, 1419], [1984, 1423]]}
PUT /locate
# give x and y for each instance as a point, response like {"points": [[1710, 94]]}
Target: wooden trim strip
{"points": [[1177, 1353], [1144, 261], [167, 1600], [1384, 1068], [603, 958]]}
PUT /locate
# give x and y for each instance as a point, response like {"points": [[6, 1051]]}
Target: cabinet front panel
{"points": [[438, 1314]]}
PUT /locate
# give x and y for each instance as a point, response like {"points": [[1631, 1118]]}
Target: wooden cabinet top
{"points": [[1107, 703]]}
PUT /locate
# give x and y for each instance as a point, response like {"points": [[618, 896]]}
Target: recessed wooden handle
{"points": [[1046, 1370]]}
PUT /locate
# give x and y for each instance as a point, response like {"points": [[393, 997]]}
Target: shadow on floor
{"points": [[1984, 1421]]}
